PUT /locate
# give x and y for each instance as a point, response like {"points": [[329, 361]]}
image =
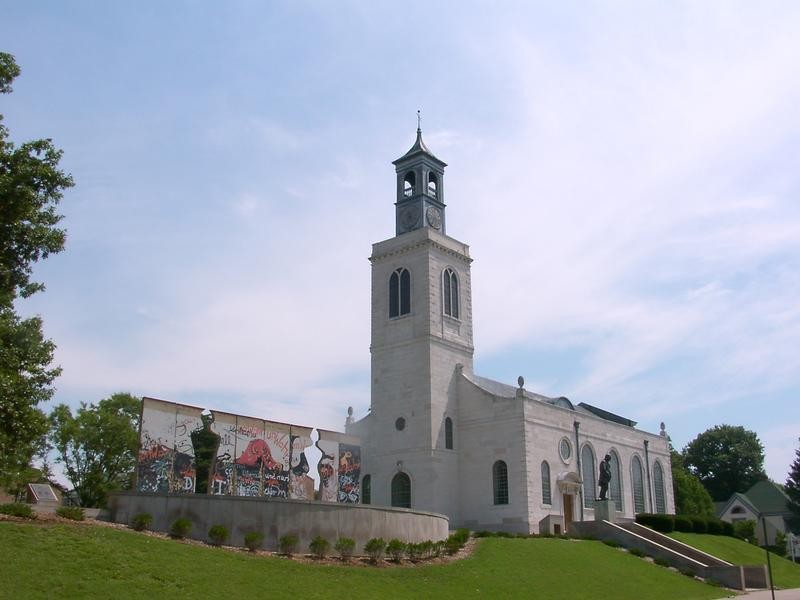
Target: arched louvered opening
{"points": [[637, 478], [448, 433], [399, 293], [409, 183], [500, 482], [366, 490], [401, 490], [615, 487], [546, 495], [589, 476], [658, 485], [433, 184]]}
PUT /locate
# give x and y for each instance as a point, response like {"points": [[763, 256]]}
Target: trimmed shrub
{"points": [[345, 547], [142, 521], [699, 524], [462, 535], [727, 528], [18, 509], [437, 549], [659, 522], [426, 549], [180, 528], [612, 543], [483, 533], [661, 562], [375, 549], [414, 551], [218, 534], [396, 549], [714, 526], [452, 545], [683, 523], [253, 540], [637, 552], [746, 530], [319, 547], [74, 513], [288, 544], [688, 572]]}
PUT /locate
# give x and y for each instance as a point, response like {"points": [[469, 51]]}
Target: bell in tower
{"points": [[420, 189]]}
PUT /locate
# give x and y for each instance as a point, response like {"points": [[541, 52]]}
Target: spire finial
{"points": [[419, 121]]}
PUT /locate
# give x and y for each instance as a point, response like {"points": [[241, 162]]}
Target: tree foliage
{"points": [[98, 445], [726, 459], [691, 498], [792, 490], [31, 186]]}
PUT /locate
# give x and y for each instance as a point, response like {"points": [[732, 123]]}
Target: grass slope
{"points": [[784, 572], [97, 562]]}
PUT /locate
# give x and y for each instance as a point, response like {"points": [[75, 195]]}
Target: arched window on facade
{"points": [[658, 484], [615, 489], [546, 496], [737, 510], [500, 482], [448, 433], [450, 292], [399, 293], [433, 183], [409, 183], [401, 490], [366, 490], [637, 479], [589, 476]]}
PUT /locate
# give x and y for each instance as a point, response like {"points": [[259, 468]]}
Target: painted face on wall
{"points": [[257, 450]]}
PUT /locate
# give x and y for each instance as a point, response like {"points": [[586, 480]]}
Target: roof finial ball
{"points": [[521, 381], [419, 120]]}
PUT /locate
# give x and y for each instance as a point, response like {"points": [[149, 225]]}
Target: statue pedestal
{"points": [[604, 510]]}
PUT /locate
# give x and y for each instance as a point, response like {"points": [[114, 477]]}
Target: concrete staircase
{"points": [[677, 554]]}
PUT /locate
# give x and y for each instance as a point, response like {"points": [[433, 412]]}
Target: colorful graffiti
{"points": [[254, 457]]}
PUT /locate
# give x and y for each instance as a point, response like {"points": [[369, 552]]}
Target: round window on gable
{"points": [[565, 449], [400, 424]]}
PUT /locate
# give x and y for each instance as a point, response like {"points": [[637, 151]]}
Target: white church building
{"points": [[440, 438]]}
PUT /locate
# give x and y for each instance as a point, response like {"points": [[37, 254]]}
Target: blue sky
{"points": [[626, 174]]}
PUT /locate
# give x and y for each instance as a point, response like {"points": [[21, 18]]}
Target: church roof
{"points": [[763, 498], [419, 147], [608, 416]]}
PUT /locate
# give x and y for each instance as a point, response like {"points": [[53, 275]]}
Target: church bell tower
{"points": [[421, 337]]}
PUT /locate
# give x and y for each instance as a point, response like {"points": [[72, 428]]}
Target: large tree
{"points": [[98, 445], [793, 490], [726, 459], [691, 498], [31, 186]]}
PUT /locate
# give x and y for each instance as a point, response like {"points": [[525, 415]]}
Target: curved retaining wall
{"points": [[276, 518]]}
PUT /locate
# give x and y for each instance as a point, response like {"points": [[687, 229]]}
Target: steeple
{"points": [[420, 188]]}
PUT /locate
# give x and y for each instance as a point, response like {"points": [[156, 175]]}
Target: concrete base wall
{"points": [[276, 518]]}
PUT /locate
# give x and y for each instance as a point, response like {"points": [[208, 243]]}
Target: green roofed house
{"points": [[764, 499]]}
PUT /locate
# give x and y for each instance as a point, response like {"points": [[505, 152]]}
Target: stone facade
{"points": [[422, 376]]}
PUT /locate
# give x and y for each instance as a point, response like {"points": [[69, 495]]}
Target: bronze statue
{"points": [[605, 476]]}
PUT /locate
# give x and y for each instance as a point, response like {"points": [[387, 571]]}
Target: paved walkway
{"points": [[793, 594]]}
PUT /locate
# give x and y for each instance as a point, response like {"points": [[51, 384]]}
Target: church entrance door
{"points": [[567, 512]]}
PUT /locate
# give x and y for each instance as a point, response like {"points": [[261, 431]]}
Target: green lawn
{"points": [[785, 573], [71, 561]]}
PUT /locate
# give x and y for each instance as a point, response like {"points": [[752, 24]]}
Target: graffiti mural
{"points": [[349, 476], [224, 425], [339, 467], [301, 486], [248, 456]]}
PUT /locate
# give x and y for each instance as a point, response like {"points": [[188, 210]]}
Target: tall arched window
{"points": [[546, 496], [366, 490], [500, 482], [658, 484], [637, 477], [615, 488], [401, 490], [450, 292], [399, 293], [448, 433], [589, 477]]}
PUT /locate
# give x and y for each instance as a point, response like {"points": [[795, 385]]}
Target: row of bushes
{"points": [[686, 523], [25, 511], [319, 546]]}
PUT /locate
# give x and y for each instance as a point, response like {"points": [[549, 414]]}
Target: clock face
{"points": [[434, 217], [409, 217]]}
